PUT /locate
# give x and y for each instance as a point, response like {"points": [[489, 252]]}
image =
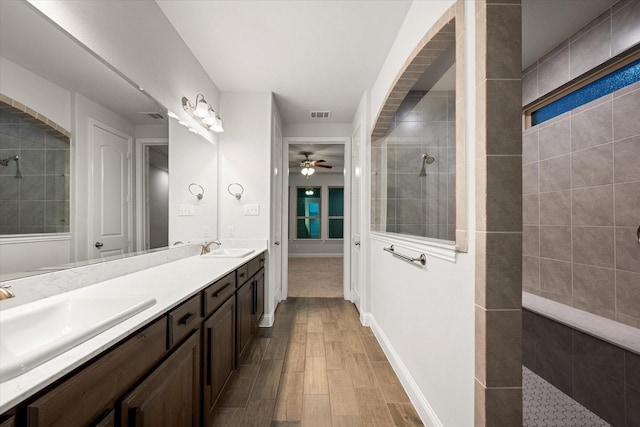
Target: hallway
{"points": [[317, 366]]}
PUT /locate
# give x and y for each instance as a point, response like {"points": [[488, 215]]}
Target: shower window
{"points": [[34, 173], [336, 212], [418, 163], [308, 212]]}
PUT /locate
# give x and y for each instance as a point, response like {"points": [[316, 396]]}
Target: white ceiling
{"points": [[323, 54]]}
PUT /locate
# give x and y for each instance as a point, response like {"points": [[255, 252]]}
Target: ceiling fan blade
{"points": [[319, 161], [323, 166]]}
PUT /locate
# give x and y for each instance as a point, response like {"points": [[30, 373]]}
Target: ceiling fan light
{"points": [[308, 171]]}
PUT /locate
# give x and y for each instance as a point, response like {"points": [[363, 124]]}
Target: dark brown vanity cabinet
{"points": [[218, 334], [170, 394], [171, 372]]}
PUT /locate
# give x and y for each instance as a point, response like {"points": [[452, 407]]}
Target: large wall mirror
{"points": [[100, 192], [417, 145]]}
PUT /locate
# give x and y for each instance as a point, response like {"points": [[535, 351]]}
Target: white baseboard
{"points": [[426, 412], [267, 320]]}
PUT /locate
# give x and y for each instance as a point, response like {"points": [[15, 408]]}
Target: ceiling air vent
{"points": [[153, 115], [320, 114]]}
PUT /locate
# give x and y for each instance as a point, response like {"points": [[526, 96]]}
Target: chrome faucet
{"points": [[6, 292], [206, 247]]}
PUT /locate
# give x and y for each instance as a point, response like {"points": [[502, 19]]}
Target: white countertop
{"points": [[170, 284]]}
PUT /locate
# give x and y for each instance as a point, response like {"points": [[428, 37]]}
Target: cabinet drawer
{"points": [[182, 320], [242, 275], [218, 293], [85, 396], [253, 266]]}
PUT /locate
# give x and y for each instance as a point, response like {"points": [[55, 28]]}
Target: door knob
{"points": [[277, 243], [99, 245], [357, 243]]}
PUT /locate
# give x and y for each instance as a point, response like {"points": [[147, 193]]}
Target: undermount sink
{"points": [[228, 253], [33, 333]]}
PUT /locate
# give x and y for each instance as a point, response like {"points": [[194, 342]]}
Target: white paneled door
{"points": [[356, 253], [111, 191]]}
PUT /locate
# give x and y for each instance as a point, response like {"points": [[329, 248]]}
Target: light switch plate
{"points": [[252, 209], [185, 210]]}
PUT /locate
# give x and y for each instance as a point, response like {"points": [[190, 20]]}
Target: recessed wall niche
{"points": [[417, 145], [34, 182]]}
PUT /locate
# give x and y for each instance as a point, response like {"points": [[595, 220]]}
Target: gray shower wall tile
{"points": [[553, 72], [531, 240], [10, 136], [530, 145], [625, 29], [32, 187], [530, 86], [628, 298], [591, 48], [9, 188], [531, 274], [627, 206], [531, 209], [32, 137], [435, 134], [555, 139], [32, 162], [555, 174], [555, 277], [555, 242], [31, 213], [592, 206], [56, 214], [57, 187], [593, 166], [591, 127], [625, 159], [54, 143], [408, 186], [625, 111], [593, 246], [594, 290], [58, 162], [9, 213], [627, 249], [555, 208], [603, 394]]}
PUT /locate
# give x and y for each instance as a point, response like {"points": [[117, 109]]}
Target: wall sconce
{"points": [[307, 171], [203, 113]]}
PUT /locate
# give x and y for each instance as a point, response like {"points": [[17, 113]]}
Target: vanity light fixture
{"points": [[203, 113]]}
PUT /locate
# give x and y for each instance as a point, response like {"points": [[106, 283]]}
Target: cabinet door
{"points": [[244, 317], [219, 353], [169, 395], [109, 420], [9, 422], [258, 299]]}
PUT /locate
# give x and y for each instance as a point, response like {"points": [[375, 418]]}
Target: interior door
{"points": [[277, 213], [356, 142], [111, 191]]}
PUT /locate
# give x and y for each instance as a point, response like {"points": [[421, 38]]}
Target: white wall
{"points": [[317, 129], [314, 247], [245, 158], [424, 317], [192, 159], [47, 98]]}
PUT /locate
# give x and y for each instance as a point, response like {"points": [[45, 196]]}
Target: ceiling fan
{"points": [[308, 165]]}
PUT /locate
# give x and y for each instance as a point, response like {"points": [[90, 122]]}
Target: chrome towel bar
{"points": [[422, 259]]}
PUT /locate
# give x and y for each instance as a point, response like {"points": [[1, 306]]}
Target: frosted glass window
{"points": [[613, 81]]}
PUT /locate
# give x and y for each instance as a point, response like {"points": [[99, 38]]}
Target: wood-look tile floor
{"points": [[317, 366]]}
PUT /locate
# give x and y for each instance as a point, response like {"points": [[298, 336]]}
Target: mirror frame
{"points": [[440, 37]]}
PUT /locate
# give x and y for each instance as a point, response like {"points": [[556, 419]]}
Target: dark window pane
{"points": [[308, 200], [336, 201], [335, 228], [308, 228]]}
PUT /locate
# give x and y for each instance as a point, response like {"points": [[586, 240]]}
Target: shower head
{"points": [[5, 162], [426, 160]]}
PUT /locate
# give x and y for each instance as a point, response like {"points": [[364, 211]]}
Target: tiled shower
{"points": [[581, 213], [413, 194], [35, 199]]}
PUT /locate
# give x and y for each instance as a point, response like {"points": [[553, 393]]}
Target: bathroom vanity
{"points": [[164, 366]]}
